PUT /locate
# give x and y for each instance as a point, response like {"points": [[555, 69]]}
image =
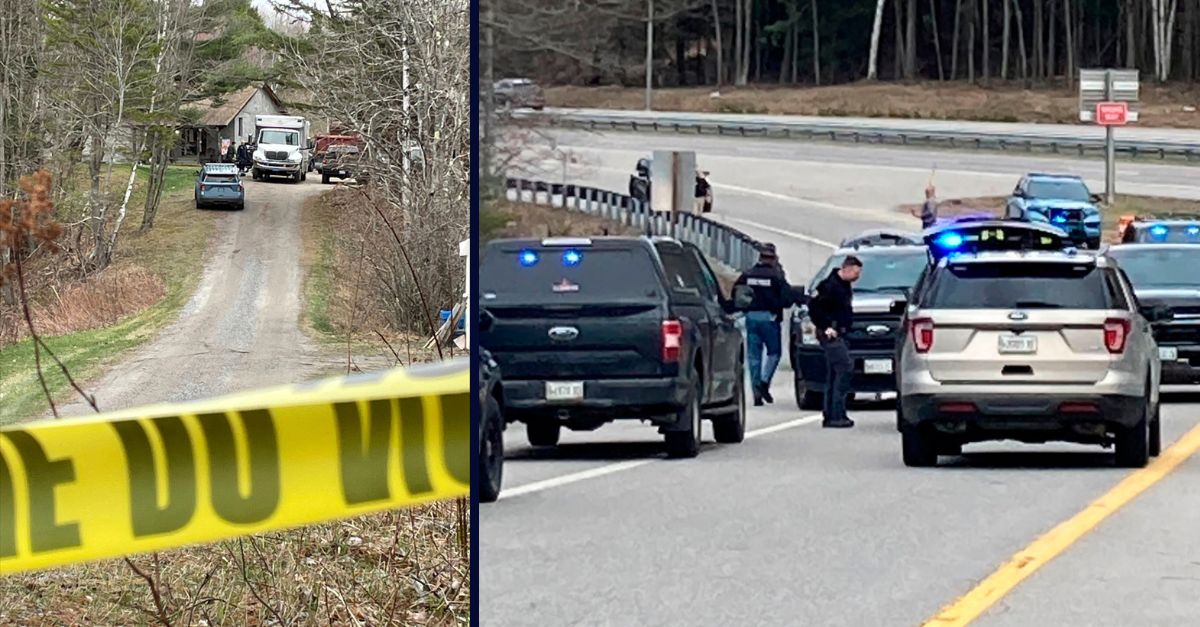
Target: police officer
{"points": [[764, 318], [831, 312]]}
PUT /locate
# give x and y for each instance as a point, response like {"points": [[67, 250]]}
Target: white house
{"points": [[229, 116]]}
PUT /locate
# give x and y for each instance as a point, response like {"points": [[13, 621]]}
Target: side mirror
{"points": [[898, 307], [1096, 199], [486, 320], [743, 296], [1018, 193], [1158, 313]]}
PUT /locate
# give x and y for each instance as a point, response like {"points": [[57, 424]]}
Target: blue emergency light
{"points": [[571, 258], [1158, 231], [528, 258], [1193, 230], [949, 240]]}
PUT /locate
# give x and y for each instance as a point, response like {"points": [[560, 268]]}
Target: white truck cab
{"points": [[283, 147]]}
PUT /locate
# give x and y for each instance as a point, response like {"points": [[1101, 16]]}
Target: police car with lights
{"points": [[592, 330], [219, 184], [1061, 200], [892, 262], [1165, 274], [1172, 230], [1011, 334]]}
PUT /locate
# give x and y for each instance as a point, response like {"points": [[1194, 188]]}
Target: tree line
{"points": [[816, 42]]}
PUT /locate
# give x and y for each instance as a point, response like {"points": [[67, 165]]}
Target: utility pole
{"points": [[649, 55]]}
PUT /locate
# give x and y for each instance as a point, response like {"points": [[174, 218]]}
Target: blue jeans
{"points": [[763, 332]]}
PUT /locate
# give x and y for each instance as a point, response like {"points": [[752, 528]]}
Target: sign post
{"points": [[1108, 98]]}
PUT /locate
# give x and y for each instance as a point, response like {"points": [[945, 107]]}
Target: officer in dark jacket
{"points": [[831, 312], [764, 318]]}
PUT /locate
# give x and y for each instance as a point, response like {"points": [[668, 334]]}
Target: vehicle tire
{"points": [[324, 179], [731, 428], [917, 448], [1094, 243], [304, 175], [949, 448], [491, 452], [1133, 444], [1156, 433], [686, 443], [806, 400], [241, 206], [543, 433]]}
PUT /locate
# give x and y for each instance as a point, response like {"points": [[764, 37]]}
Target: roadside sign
{"points": [[1094, 88], [1112, 113], [1108, 98]]}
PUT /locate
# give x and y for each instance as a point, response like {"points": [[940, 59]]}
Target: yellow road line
{"points": [[973, 604]]}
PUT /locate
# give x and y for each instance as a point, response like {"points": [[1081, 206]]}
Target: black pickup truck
{"points": [[1165, 274], [491, 428], [592, 330]]}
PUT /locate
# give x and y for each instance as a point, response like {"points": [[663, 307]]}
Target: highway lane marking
{"points": [[965, 609], [592, 473], [784, 232]]}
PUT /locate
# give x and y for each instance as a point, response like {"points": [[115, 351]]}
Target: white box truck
{"points": [[283, 147]]}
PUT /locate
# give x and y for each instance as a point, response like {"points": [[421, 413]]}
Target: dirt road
{"points": [[240, 330]]}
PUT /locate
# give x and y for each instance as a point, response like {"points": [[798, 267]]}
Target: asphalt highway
{"points": [[804, 526]]}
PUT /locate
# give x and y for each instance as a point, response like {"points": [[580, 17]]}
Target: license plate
{"points": [[1168, 353], [564, 390], [877, 366], [1018, 344]]}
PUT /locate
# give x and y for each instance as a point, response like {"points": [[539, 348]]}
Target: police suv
{"points": [[1166, 274], [892, 261], [1011, 334]]}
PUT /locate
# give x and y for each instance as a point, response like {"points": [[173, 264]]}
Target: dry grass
{"points": [[1124, 205], [103, 300], [398, 568], [341, 308], [999, 102]]}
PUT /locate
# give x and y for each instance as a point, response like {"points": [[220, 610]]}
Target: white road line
{"points": [[784, 232], [575, 477]]}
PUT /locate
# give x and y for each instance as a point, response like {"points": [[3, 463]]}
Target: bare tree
{"points": [[872, 63], [396, 72]]}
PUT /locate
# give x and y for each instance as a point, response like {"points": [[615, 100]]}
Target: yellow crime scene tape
{"points": [[167, 476]]}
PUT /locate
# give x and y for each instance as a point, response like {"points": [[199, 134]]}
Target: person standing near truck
{"points": [[703, 192], [764, 319], [832, 312]]}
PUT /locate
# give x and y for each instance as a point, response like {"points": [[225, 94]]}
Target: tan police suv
{"points": [[1011, 335]]}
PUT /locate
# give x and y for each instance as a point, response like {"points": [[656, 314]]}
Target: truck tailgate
{"points": [[577, 341]]}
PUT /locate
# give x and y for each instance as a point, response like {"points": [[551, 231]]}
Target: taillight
{"points": [[241, 190], [672, 340], [202, 187], [922, 334], [1116, 332]]}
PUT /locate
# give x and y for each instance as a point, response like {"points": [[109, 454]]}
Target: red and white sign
{"points": [[1112, 113]]}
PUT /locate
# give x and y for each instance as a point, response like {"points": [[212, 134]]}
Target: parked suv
{"points": [[592, 330], [1061, 200], [1030, 345], [1165, 274], [888, 272]]}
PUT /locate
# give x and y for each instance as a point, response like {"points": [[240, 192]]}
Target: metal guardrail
{"points": [[719, 242], [805, 130]]}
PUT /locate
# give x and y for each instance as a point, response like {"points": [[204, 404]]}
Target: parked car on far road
{"points": [[343, 161], [513, 93]]}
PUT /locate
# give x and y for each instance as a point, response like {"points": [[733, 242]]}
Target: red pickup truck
{"points": [[323, 142]]}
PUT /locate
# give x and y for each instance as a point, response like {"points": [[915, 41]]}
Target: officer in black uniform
{"points": [[764, 319], [831, 312]]}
